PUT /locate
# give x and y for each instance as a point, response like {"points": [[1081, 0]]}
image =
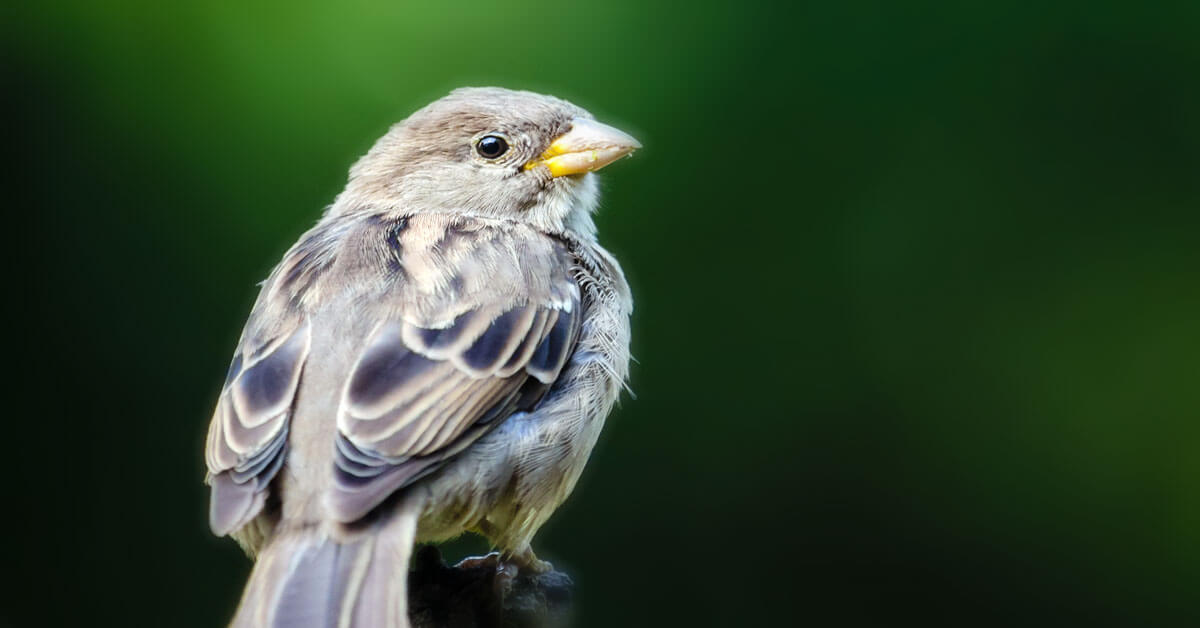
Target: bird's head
{"points": [[493, 153]]}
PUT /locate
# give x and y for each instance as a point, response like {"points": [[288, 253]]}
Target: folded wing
{"points": [[248, 433], [417, 395]]}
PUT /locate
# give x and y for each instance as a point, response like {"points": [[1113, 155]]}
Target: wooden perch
{"points": [[484, 594]]}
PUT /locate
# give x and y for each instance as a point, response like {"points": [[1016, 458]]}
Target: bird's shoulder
{"points": [[428, 268]]}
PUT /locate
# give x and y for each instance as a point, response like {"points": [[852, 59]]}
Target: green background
{"points": [[917, 284]]}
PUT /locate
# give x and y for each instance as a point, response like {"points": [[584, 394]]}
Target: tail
{"points": [[305, 578]]}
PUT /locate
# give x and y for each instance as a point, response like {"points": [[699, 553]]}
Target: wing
{"points": [[469, 322], [248, 432], [489, 343], [247, 437]]}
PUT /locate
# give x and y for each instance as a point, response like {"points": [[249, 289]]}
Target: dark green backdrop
{"points": [[918, 294]]}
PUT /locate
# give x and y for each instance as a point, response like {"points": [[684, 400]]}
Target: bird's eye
{"points": [[491, 146]]}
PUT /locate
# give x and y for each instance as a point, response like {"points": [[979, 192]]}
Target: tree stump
{"points": [[484, 594]]}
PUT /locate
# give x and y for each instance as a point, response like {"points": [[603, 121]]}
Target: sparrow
{"points": [[436, 356]]}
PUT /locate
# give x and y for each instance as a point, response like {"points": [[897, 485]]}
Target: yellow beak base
{"points": [[587, 147]]}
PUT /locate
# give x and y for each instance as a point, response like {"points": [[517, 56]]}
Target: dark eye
{"points": [[491, 147]]}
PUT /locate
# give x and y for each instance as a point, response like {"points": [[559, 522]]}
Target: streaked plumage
{"points": [[437, 355]]}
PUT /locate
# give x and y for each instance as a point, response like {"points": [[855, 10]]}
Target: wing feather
{"points": [[248, 433], [442, 393]]}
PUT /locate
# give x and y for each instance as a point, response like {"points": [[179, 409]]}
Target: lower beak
{"points": [[588, 146]]}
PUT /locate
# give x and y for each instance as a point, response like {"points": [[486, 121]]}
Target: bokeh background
{"points": [[918, 294]]}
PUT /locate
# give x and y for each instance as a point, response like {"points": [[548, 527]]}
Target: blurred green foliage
{"points": [[917, 288]]}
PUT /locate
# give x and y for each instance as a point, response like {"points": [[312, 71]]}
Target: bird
{"points": [[436, 356]]}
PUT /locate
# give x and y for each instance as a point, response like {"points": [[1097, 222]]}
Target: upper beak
{"points": [[588, 146]]}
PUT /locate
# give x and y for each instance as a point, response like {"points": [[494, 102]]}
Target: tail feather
{"points": [[306, 578]]}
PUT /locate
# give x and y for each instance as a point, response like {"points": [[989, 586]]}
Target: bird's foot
{"points": [[491, 560], [525, 562], [528, 562]]}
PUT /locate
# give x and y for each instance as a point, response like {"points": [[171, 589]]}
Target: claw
{"points": [[507, 563], [487, 561]]}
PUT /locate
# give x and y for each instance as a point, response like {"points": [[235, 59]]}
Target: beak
{"points": [[588, 146]]}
